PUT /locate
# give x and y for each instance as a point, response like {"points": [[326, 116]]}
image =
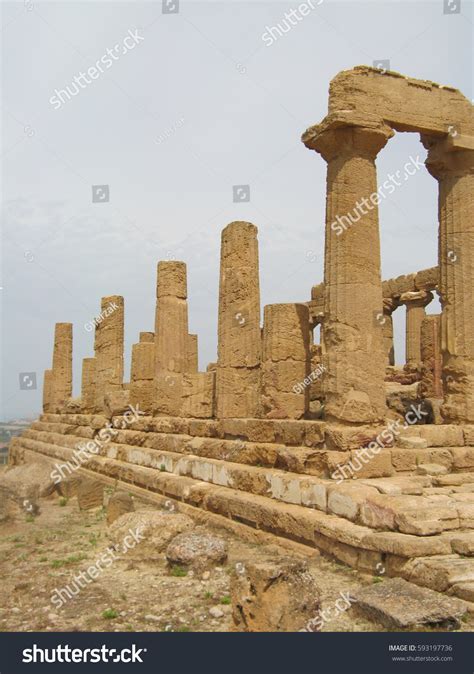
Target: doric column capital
{"points": [[417, 298], [449, 155], [347, 135], [390, 304]]}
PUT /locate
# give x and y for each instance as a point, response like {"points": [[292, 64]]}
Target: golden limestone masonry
{"points": [[369, 462]]}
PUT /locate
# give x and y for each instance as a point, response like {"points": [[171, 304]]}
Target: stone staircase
{"points": [[410, 514]]}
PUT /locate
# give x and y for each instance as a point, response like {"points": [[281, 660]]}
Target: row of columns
{"points": [[259, 371], [354, 338]]}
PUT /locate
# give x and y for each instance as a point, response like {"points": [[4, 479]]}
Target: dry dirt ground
{"points": [[39, 554]]}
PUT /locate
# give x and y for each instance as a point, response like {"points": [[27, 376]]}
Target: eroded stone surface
{"points": [[401, 605]]}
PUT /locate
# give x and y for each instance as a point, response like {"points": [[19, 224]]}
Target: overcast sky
{"points": [[200, 104]]}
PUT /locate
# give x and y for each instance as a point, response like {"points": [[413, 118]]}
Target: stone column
{"points": [[453, 167], [431, 361], [62, 366], [192, 354], [389, 306], [239, 338], [353, 336], [285, 361], [171, 336], [88, 390], [108, 348], [47, 390], [142, 375], [415, 303]]}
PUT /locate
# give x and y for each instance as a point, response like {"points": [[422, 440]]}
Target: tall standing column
{"points": [[389, 306], [239, 336], [47, 390], [453, 167], [88, 383], [108, 347], [171, 336], [193, 353], [353, 336], [62, 366], [415, 303], [431, 361]]}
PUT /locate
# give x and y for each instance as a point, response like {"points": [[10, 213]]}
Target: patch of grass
{"points": [[72, 559], [377, 579], [225, 600], [123, 596], [62, 502], [109, 614], [93, 539], [162, 467], [178, 571], [43, 559], [208, 595], [30, 518], [183, 628], [129, 628]]}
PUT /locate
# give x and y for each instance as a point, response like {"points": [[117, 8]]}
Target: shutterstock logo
{"points": [[67, 654]]}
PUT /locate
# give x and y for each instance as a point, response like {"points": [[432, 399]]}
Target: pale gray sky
{"points": [[197, 106]]}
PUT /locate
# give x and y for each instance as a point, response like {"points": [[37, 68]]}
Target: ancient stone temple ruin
{"points": [[328, 444]]}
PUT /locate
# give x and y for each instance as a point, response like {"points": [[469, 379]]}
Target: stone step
{"points": [[320, 462], [389, 553], [398, 505], [448, 435], [285, 431]]}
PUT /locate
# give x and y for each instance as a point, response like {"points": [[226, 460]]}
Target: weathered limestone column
{"points": [[142, 375], [415, 303], [88, 383], [171, 336], [389, 306], [62, 366], [108, 348], [239, 337], [451, 162], [353, 336], [285, 361], [47, 390], [192, 353], [431, 385]]}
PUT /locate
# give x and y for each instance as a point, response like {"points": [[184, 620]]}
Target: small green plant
{"points": [[109, 614], [377, 579], [72, 559], [183, 628], [225, 600], [29, 518], [43, 559], [208, 595], [129, 628], [93, 539], [62, 501], [162, 467], [178, 571]]}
